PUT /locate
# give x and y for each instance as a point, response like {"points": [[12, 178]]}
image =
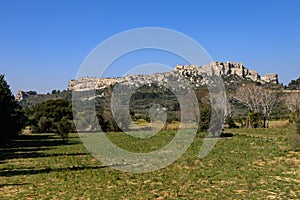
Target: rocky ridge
{"points": [[192, 73]]}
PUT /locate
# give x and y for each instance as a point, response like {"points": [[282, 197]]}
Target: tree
{"points": [[12, 118], [294, 84], [205, 116], [259, 101], [292, 101], [268, 100], [55, 91], [53, 109], [44, 125], [64, 128], [53, 116], [31, 92], [249, 95]]}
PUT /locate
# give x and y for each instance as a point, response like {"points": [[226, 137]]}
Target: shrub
{"points": [[253, 120], [230, 122]]}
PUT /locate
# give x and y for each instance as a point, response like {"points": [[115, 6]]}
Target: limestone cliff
{"points": [[192, 73], [21, 95]]}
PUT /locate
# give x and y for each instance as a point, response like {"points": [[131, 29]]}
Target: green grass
{"points": [[253, 164]]}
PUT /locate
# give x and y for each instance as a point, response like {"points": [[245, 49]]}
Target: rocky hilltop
{"points": [[192, 73]]}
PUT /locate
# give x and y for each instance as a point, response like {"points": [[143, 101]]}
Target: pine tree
{"points": [[11, 116]]}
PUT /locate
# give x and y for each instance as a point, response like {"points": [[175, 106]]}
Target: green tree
{"points": [[294, 84], [205, 116], [64, 128], [45, 125], [53, 116], [53, 109], [12, 118]]}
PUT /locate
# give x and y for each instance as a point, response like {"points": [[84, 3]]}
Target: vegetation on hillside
{"points": [[294, 84]]}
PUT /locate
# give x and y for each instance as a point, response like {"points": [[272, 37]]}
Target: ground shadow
{"points": [[30, 146], [13, 184], [46, 170]]}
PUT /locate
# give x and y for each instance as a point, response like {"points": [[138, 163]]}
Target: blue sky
{"points": [[43, 43]]}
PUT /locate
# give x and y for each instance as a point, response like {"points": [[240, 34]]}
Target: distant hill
{"points": [[232, 73], [29, 99]]}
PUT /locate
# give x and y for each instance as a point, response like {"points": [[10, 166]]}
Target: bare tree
{"points": [[258, 100], [292, 101], [249, 95], [268, 100]]}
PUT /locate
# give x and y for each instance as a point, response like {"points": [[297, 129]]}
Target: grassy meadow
{"points": [[253, 164]]}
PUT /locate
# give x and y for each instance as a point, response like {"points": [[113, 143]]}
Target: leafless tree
{"points": [[258, 100], [292, 101], [268, 100], [249, 95]]}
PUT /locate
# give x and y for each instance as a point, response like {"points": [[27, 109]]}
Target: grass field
{"points": [[253, 164]]}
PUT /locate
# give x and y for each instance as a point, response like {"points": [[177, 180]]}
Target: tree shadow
{"points": [[9, 173], [13, 184], [34, 146], [30, 146]]}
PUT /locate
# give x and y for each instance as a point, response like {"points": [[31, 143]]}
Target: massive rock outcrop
{"points": [[230, 68], [21, 95], [192, 73]]}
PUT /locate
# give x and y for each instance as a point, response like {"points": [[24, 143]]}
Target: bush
{"points": [[253, 120], [230, 122]]}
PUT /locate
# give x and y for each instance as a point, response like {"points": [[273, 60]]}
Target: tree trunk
{"points": [[265, 122]]}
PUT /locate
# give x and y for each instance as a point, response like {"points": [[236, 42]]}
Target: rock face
{"points": [[230, 68], [21, 95], [91, 83], [270, 78], [192, 73]]}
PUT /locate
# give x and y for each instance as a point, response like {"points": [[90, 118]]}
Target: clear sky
{"points": [[44, 42]]}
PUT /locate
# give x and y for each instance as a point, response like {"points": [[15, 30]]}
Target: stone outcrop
{"points": [[230, 68], [88, 83], [192, 73], [21, 95], [270, 78]]}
